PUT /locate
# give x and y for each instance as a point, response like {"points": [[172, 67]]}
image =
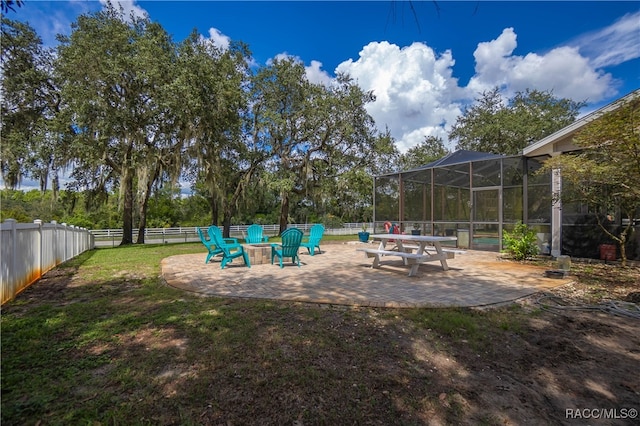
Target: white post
{"points": [[74, 240], [556, 214], [64, 245], [55, 243], [39, 264], [9, 286]]}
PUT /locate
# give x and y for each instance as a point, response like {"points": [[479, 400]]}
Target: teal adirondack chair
{"points": [[254, 235], [212, 249], [313, 240], [291, 239], [229, 247]]}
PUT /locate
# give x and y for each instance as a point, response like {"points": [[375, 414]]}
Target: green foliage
{"points": [[331, 221], [499, 127], [314, 135], [521, 243], [15, 213], [249, 145], [605, 174], [212, 82], [430, 149], [31, 205], [72, 208], [114, 75], [29, 102]]}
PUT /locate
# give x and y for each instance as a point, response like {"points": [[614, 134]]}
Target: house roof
{"points": [[562, 140]]}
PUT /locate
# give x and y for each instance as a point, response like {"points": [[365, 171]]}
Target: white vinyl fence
{"points": [[185, 234], [28, 250]]}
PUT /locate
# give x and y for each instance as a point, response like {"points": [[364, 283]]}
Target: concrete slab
{"points": [[341, 275]]}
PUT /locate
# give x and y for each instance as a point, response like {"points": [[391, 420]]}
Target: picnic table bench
{"points": [[421, 255]]}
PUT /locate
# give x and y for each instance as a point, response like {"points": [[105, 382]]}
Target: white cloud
{"points": [[218, 39], [317, 75], [129, 7], [613, 45], [416, 95], [493, 57], [284, 56], [53, 19], [562, 70]]}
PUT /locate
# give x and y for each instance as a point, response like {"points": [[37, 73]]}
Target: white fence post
{"points": [[56, 251], [65, 242], [40, 242], [8, 257], [74, 242]]}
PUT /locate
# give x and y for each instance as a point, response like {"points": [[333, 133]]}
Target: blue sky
{"points": [[424, 60]]}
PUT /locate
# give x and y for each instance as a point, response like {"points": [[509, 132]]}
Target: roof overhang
{"points": [[562, 140]]}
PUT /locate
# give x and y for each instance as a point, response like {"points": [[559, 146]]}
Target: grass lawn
{"points": [[101, 340]]}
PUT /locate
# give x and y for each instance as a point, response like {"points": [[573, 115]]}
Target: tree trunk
{"points": [[127, 207], [226, 225], [214, 211], [284, 212], [44, 180], [142, 211], [142, 224], [143, 204], [55, 185], [623, 247]]}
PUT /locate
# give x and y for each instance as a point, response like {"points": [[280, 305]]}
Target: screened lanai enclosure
{"points": [[471, 195], [475, 196]]}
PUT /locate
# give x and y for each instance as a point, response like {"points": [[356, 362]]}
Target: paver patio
{"points": [[341, 275]]}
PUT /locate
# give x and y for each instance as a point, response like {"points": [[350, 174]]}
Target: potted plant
{"points": [[363, 235], [416, 229]]}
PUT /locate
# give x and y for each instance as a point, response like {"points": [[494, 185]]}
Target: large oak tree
{"points": [[312, 133], [211, 112], [497, 126], [113, 70]]}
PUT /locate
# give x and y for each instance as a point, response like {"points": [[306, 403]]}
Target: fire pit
{"points": [[258, 253]]}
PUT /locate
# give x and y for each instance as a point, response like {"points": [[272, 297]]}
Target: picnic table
{"points": [[413, 249]]}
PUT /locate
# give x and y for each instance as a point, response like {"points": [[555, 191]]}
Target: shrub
{"points": [[521, 243], [331, 221]]}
